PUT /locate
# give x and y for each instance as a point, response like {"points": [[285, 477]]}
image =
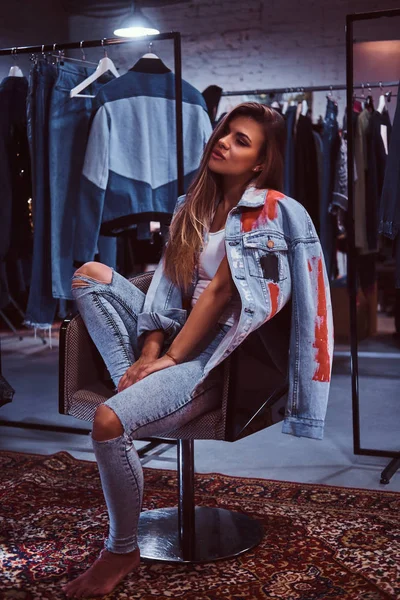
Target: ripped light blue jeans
{"points": [[153, 406]]}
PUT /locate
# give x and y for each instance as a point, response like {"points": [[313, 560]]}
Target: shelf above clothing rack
{"points": [[312, 88]]}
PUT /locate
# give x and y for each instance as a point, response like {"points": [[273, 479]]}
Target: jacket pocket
{"points": [[266, 255]]}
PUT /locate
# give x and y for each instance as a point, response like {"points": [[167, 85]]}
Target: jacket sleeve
{"points": [[93, 188], [163, 303], [311, 340]]}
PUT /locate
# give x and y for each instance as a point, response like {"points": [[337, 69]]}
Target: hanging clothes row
{"points": [[103, 163], [389, 209], [311, 167], [311, 157], [316, 166]]}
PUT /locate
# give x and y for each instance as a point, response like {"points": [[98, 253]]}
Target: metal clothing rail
{"points": [[311, 88], [176, 38], [351, 268], [173, 35]]}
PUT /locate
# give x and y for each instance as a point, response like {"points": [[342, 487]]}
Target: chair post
{"points": [[189, 534], [186, 508]]}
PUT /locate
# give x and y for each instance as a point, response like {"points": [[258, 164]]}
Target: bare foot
{"points": [[104, 574]]}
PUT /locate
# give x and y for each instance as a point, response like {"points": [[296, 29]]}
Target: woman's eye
{"points": [[241, 142]]}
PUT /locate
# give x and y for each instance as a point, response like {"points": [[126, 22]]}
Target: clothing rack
{"points": [[173, 35], [394, 464], [46, 48], [311, 88]]}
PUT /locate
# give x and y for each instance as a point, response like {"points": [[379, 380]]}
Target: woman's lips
{"points": [[217, 155]]}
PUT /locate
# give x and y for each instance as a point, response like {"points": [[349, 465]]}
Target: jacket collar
{"points": [[253, 197]]}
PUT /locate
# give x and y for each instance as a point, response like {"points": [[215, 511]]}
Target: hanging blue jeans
{"points": [[41, 308], [69, 130], [331, 144]]}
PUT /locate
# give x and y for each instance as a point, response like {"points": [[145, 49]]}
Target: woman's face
{"points": [[238, 151]]}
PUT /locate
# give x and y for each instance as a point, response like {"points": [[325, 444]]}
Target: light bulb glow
{"points": [[133, 32]]}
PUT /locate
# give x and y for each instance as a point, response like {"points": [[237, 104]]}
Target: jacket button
{"points": [[249, 310], [270, 244]]}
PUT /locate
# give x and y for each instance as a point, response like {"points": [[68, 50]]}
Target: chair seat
{"points": [[209, 426]]}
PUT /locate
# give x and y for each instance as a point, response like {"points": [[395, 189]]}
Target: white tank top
{"points": [[209, 261]]}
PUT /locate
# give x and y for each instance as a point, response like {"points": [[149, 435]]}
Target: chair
{"points": [[186, 533]]}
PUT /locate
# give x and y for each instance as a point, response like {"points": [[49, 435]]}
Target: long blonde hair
{"points": [[195, 215]]}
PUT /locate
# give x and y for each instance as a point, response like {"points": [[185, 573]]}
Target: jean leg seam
{"points": [[122, 303], [140, 496], [125, 456], [112, 324]]}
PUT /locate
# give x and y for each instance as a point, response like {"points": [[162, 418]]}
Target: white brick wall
{"points": [[253, 44], [231, 43]]}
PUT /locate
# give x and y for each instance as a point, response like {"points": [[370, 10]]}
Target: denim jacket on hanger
{"points": [[274, 255]]}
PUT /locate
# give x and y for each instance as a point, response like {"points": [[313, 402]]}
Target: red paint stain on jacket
{"points": [[321, 343], [252, 219], [274, 295]]}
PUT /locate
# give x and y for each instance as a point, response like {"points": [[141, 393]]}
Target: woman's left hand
{"points": [[157, 365]]}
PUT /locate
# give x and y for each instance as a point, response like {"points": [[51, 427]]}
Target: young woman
{"points": [[158, 353]]}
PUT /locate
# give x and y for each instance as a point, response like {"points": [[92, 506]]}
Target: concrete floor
{"points": [[32, 369]]}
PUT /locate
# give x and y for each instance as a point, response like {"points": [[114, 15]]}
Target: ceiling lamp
{"points": [[136, 25]]}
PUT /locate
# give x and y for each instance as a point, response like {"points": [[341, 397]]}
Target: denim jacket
{"points": [[275, 256]]}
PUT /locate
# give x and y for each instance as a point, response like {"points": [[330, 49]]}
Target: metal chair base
{"points": [[219, 534]]}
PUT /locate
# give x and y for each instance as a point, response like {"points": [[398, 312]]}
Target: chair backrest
{"points": [[143, 281], [257, 391]]}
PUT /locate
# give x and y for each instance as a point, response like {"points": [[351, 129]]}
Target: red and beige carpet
{"points": [[320, 542]]}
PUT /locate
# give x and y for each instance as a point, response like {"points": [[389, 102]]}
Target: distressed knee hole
{"points": [[97, 272]]}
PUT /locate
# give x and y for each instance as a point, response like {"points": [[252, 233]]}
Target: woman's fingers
{"points": [[138, 373], [121, 384], [124, 382], [127, 380], [158, 365]]}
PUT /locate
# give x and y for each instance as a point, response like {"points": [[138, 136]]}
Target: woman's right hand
{"points": [[135, 372]]}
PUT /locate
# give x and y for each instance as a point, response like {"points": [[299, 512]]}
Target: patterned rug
{"points": [[320, 542]]}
